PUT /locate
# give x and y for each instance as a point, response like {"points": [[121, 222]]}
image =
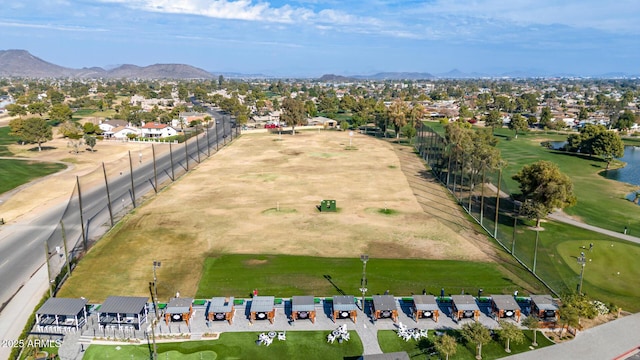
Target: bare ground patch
{"points": [[220, 208]]}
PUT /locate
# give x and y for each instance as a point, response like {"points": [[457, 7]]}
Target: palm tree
{"points": [[532, 323], [446, 345], [398, 115]]}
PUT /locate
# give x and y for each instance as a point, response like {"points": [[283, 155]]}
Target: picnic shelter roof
{"points": [[62, 306], [384, 302], [544, 302], [179, 305], [464, 302], [262, 303], [425, 302], [123, 305], [302, 303], [505, 302], [221, 305], [344, 303]]}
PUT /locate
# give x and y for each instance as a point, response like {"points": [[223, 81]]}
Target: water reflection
{"points": [[630, 173]]}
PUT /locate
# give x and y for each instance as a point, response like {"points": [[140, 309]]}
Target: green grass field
{"points": [[561, 244], [5, 140], [17, 172], [423, 349], [312, 344], [284, 276], [601, 201]]}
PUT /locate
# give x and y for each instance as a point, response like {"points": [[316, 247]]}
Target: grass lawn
{"points": [[6, 139], [601, 201], [17, 172], [299, 344], [610, 269], [423, 349], [282, 275]]}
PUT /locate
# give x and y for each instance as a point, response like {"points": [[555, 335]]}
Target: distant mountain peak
{"points": [[21, 63]]}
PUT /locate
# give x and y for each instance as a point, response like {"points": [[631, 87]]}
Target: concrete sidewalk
{"points": [[564, 218], [607, 341]]}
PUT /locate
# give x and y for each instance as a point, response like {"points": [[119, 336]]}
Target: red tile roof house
{"points": [[155, 130]]}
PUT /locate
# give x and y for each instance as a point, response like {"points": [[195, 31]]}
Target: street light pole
{"points": [[363, 282], [582, 261]]}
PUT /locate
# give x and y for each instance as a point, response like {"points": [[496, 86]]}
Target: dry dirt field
{"points": [[259, 196]]}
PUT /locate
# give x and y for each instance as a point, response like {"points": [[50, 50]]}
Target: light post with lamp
{"points": [[363, 282], [581, 261]]}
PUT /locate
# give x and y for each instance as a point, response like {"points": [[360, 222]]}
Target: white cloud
{"points": [[51, 27], [613, 16], [221, 9]]}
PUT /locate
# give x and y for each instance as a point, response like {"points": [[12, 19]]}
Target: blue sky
{"points": [[314, 37]]}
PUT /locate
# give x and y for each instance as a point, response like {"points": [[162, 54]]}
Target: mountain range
{"points": [[21, 63]]}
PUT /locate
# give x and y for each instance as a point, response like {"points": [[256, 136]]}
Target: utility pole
{"points": [[582, 261], [154, 321], [363, 282]]}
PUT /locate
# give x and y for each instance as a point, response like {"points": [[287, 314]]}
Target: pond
{"points": [[631, 172]]}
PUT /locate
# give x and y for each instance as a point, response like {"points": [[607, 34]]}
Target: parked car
{"points": [[271, 126]]}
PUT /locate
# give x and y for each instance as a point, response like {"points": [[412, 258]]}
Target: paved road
{"points": [[22, 244]]}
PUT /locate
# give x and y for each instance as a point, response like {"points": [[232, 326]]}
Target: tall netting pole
{"points": [[217, 138], [46, 258], [208, 142], [106, 185], [186, 154], [173, 175], [155, 169], [495, 231], [482, 196], [66, 251], [84, 235], [133, 188], [198, 144]]}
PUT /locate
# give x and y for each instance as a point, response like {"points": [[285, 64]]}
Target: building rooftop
{"points": [[425, 302], [464, 302], [302, 303], [62, 306], [262, 303], [123, 305], [179, 305], [384, 302], [221, 305]]}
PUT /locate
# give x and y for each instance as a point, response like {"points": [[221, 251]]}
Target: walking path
{"points": [[562, 217], [613, 340]]}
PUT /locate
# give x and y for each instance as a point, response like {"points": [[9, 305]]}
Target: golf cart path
{"points": [[562, 217]]}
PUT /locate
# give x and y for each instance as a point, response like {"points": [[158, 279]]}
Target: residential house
{"points": [[156, 130]]}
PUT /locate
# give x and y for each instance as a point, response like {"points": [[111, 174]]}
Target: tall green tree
{"points": [[446, 345], [608, 145], [493, 120], [544, 188], [626, 120], [16, 110], [60, 113], [35, 130], [532, 323], [518, 124], [38, 108], [398, 115], [293, 113], [90, 141], [509, 332], [477, 334], [545, 117]]}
